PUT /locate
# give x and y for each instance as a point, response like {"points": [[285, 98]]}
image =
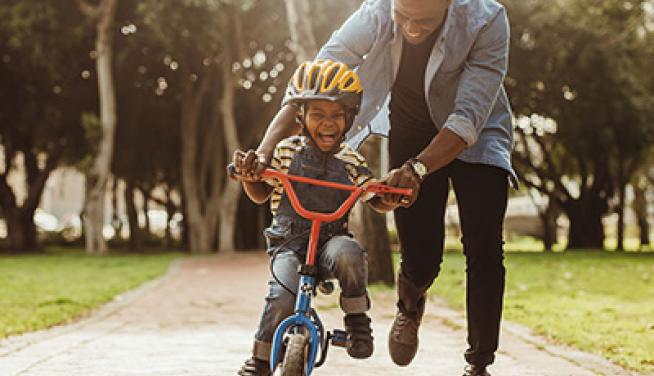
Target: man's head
{"points": [[419, 18]]}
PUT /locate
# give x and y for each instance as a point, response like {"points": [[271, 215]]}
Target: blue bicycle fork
{"points": [[301, 319]]}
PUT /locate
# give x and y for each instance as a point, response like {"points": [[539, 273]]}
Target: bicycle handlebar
{"points": [[286, 179]]}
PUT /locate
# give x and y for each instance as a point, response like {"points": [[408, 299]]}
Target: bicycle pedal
{"points": [[339, 338], [326, 287]]}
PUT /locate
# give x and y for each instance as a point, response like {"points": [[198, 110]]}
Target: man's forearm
{"points": [[281, 127], [442, 150]]}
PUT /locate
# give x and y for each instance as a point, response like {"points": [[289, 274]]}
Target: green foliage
{"points": [[584, 64], [37, 292], [599, 302]]}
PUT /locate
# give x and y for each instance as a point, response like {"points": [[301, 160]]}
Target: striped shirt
{"points": [[287, 149]]}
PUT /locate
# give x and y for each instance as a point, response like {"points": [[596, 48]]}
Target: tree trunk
{"points": [[586, 228], [640, 207], [170, 212], [135, 238], [231, 190], [94, 207], [145, 193], [621, 209], [21, 231], [201, 197], [299, 25], [370, 227], [115, 218], [548, 218]]}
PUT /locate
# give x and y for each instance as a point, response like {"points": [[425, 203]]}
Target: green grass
{"points": [[38, 291], [600, 302]]}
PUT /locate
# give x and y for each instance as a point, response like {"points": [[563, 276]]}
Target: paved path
{"points": [[199, 320]]}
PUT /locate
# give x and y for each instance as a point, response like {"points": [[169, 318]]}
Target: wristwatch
{"points": [[419, 168]]}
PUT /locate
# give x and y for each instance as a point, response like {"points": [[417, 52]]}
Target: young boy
{"points": [[327, 96]]}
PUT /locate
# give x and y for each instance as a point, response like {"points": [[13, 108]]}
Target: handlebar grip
{"points": [[231, 171]]}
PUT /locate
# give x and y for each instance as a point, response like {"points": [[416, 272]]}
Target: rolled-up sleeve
{"points": [[481, 79]]}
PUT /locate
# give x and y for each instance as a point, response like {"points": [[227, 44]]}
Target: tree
{"points": [[146, 148], [574, 83], [102, 15], [44, 93], [303, 40]]}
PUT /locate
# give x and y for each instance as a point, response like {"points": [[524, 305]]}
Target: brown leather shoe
{"points": [[472, 370], [403, 338]]}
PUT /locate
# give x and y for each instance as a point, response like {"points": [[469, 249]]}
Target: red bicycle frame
{"points": [[316, 217]]}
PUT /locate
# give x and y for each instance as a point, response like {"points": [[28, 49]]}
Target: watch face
{"points": [[420, 168]]}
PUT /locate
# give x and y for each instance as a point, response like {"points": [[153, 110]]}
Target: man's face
{"points": [[419, 18]]}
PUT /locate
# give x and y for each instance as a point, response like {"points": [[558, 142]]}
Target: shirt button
{"points": [[359, 127]]}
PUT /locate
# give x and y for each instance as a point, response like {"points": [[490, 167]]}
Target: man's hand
{"points": [[402, 177], [249, 165]]}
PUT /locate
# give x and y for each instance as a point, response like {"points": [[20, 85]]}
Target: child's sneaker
{"points": [[255, 367], [360, 335]]}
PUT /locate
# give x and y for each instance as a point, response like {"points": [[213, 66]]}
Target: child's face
{"points": [[325, 121]]}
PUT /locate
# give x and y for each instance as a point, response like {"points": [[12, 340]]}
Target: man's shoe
{"points": [[359, 332], [472, 370], [403, 338], [255, 367]]}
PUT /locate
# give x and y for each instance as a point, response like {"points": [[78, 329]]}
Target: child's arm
{"points": [[249, 167], [258, 192]]}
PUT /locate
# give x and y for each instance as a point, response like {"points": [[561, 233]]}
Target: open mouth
{"points": [[328, 137]]}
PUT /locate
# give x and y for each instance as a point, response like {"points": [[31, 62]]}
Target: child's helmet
{"points": [[327, 80]]}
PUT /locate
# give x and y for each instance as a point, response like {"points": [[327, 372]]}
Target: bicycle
{"points": [[299, 337]]}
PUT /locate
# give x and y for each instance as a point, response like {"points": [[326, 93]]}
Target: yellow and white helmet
{"points": [[326, 80]]}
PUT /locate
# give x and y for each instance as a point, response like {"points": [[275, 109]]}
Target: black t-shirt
{"points": [[408, 106]]}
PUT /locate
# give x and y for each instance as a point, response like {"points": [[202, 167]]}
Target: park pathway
{"points": [[199, 320]]}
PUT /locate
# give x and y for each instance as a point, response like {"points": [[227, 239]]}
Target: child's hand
{"points": [[249, 165]]}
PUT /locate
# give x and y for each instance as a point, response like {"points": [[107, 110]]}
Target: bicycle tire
{"points": [[295, 355]]}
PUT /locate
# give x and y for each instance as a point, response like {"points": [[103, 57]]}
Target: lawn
{"points": [[600, 302], [38, 291]]}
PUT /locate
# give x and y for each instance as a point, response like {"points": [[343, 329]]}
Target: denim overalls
{"points": [[339, 255]]}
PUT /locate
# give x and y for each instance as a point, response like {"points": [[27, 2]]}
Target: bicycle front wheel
{"points": [[295, 356]]}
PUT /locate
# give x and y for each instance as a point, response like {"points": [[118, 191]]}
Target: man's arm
{"points": [[481, 79], [282, 126], [479, 85]]}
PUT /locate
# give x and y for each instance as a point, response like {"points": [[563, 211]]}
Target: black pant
{"points": [[481, 193]]}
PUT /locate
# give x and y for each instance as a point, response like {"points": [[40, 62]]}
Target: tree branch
{"points": [[91, 11]]}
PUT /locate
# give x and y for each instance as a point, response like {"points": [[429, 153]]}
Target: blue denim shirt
{"points": [[463, 78]]}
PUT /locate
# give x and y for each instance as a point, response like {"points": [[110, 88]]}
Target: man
{"points": [[437, 66]]}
